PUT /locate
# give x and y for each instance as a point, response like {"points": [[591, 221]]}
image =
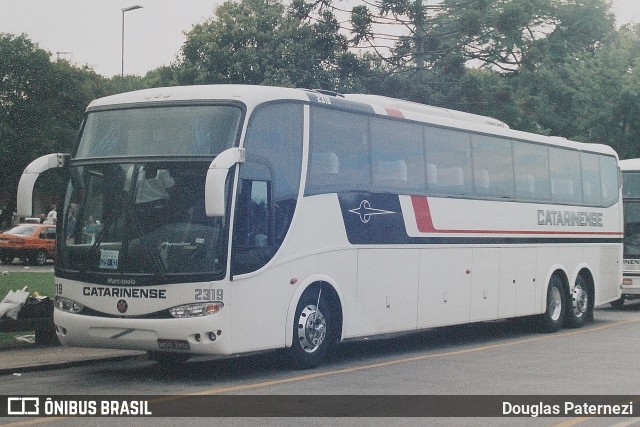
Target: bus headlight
{"points": [[197, 310], [70, 306]]}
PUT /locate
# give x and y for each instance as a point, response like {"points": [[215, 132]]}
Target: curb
{"points": [[47, 365]]}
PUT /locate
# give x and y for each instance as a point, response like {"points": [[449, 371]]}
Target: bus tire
{"points": [[312, 330], [553, 318], [579, 307]]}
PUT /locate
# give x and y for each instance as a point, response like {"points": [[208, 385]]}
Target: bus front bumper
{"points": [[201, 335]]}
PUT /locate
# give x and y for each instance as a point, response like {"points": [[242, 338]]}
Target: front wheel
{"points": [[312, 330], [553, 319], [581, 308]]}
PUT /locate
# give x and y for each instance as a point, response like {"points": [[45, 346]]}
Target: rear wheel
{"points": [[312, 330], [39, 257], [580, 307], [6, 258], [553, 319]]}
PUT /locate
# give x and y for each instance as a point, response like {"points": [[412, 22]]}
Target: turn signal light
{"points": [[70, 306], [196, 310]]}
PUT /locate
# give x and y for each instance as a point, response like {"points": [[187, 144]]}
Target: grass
{"points": [[42, 283]]}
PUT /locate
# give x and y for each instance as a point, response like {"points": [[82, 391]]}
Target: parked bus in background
{"points": [[232, 219], [630, 169]]}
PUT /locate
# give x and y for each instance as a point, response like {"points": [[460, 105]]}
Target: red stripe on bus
{"points": [[424, 221], [394, 113]]}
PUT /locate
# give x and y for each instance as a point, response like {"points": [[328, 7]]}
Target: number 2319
{"points": [[209, 295]]}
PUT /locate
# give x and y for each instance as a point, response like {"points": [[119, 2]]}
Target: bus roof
{"points": [[630, 165], [252, 96]]}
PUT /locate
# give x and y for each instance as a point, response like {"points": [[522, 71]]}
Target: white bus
{"points": [[631, 201], [231, 219]]}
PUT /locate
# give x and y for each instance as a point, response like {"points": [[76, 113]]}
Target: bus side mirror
{"points": [[216, 178], [29, 177]]}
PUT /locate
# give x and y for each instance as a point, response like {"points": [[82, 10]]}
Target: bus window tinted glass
{"points": [[610, 187], [167, 131], [531, 163], [632, 229], [591, 182], [492, 167], [339, 154], [397, 153], [268, 185], [448, 162], [566, 182], [631, 184]]}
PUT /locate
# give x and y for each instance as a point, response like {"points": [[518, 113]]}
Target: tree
{"points": [[505, 35], [41, 107], [261, 42], [608, 98]]}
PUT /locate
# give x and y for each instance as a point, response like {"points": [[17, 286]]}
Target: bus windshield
{"points": [[135, 200], [141, 219], [631, 198]]}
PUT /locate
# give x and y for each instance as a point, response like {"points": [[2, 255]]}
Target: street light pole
{"points": [[126, 9], [62, 53]]}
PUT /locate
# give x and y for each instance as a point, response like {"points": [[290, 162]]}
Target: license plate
{"points": [[173, 344]]}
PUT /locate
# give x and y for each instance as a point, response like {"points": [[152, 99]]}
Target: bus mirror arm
{"points": [[216, 179], [29, 177]]}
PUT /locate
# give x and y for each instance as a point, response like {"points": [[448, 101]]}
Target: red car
{"points": [[32, 243]]}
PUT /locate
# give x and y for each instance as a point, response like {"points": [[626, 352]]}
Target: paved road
{"points": [[18, 266], [502, 358]]}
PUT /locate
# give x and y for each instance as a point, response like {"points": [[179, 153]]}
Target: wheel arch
{"points": [[311, 283]]}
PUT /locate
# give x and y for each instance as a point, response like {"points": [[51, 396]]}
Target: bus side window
{"points": [[566, 180], [397, 156], [253, 219], [448, 155], [609, 176], [339, 153], [531, 166], [591, 183]]}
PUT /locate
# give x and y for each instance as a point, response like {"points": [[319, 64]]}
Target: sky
{"points": [[89, 32]]}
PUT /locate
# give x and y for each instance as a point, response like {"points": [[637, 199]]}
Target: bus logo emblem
{"points": [[122, 306], [365, 211]]}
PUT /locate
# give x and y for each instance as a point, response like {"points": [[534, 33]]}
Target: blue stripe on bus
{"points": [[377, 219]]}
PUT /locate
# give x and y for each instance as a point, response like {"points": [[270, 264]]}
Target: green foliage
{"points": [[41, 106], [261, 42]]}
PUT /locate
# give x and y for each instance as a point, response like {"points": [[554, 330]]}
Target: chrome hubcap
{"points": [[554, 306], [580, 301], [312, 328]]}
